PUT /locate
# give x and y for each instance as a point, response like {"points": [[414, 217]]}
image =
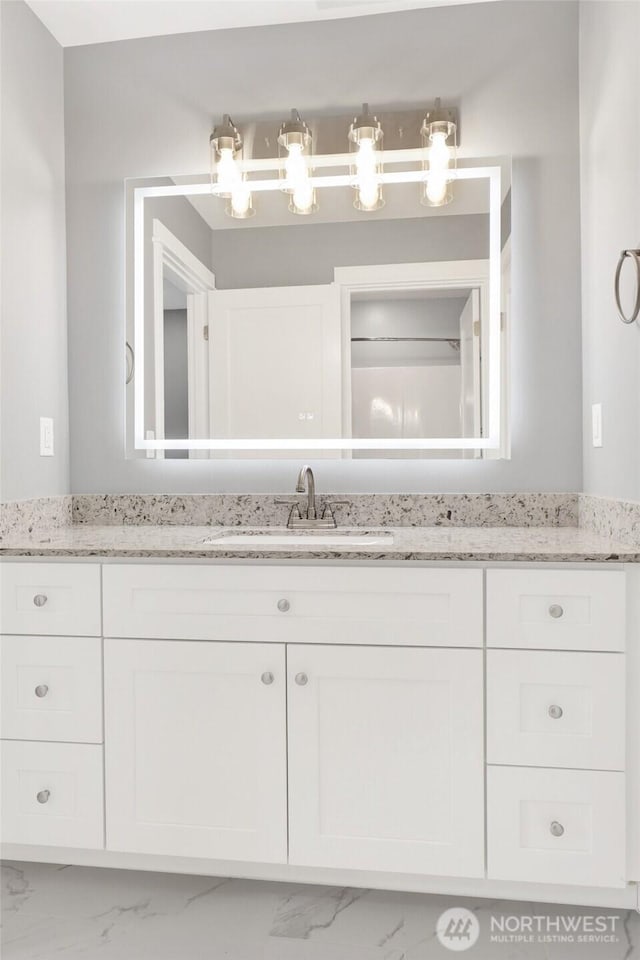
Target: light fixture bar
{"points": [[337, 180]]}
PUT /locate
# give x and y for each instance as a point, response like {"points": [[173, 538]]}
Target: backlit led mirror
{"points": [[346, 333]]}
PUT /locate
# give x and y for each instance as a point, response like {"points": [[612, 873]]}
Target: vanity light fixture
{"points": [[226, 152], [295, 170], [438, 134], [365, 140], [295, 147]]}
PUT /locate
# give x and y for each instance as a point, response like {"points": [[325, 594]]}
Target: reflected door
{"points": [[470, 369], [274, 357]]}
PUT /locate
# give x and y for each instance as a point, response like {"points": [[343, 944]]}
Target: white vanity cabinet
{"points": [[556, 726], [51, 681], [379, 733], [328, 723]]}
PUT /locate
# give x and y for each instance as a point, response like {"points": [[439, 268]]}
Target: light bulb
{"points": [[294, 166], [440, 153], [439, 159], [303, 196], [366, 175], [227, 171], [436, 189], [297, 180], [365, 159], [368, 194], [240, 199]]}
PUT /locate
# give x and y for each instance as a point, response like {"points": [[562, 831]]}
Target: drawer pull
{"points": [[301, 679], [267, 677], [556, 611], [41, 690], [556, 829], [43, 796], [40, 599], [283, 606], [555, 712]]}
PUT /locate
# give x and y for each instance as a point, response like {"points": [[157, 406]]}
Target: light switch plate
{"points": [[46, 436], [596, 424]]}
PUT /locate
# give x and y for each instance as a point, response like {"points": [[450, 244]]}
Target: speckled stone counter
{"points": [[541, 544]]}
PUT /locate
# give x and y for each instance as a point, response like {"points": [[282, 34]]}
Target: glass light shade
{"points": [[365, 143], [226, 151], [439, 157], [240, 205], [295, 148]]}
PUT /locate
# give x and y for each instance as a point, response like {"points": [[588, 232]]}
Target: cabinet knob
{"points": [[556, 611], [43, 796], [301, 679], [555, 711], [40, 599], [283, 606], [556, 829], [267, 677], [41, 690]]}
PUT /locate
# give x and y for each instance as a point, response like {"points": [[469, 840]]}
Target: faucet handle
{"points": [[327, 510], [294, 512], [330, 504]]}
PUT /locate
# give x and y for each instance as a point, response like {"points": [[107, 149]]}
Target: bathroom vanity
{"points": [[452, 711]]}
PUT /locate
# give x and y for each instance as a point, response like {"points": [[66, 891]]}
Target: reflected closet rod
{"points": [[450, 340]]}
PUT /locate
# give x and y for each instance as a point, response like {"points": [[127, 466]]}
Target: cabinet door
{"points": [[386, 759], [195, 737]]}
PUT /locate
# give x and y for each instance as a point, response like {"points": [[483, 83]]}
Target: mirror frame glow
{"points": [[494, 441]]}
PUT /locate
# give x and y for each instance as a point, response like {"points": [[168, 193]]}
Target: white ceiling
{"points": [[77, 22]]}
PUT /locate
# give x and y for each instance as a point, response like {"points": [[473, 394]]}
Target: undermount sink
{"points": [[321, 538]]}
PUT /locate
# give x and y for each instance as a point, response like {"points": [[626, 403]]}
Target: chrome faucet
{"points": [[306, 482], [301, 518]]}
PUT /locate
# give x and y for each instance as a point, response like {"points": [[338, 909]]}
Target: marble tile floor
{"points": [[52, 911]]}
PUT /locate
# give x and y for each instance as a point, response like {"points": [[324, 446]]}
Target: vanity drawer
{"points": [[51, 598], [556, 709], [556, 826], [51, 688], [556, 609], [52, 794], [413, 607]]}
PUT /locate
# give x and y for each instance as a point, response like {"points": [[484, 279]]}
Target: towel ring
{"points": [[635, 256], [131, 363]]}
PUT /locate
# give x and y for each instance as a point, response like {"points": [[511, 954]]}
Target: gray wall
{"points": [[32, 238], [610, 178], [145, 108], [176, 390], [309, 253]]}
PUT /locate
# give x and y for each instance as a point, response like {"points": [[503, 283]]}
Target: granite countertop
{"points": [[543, 544]]}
